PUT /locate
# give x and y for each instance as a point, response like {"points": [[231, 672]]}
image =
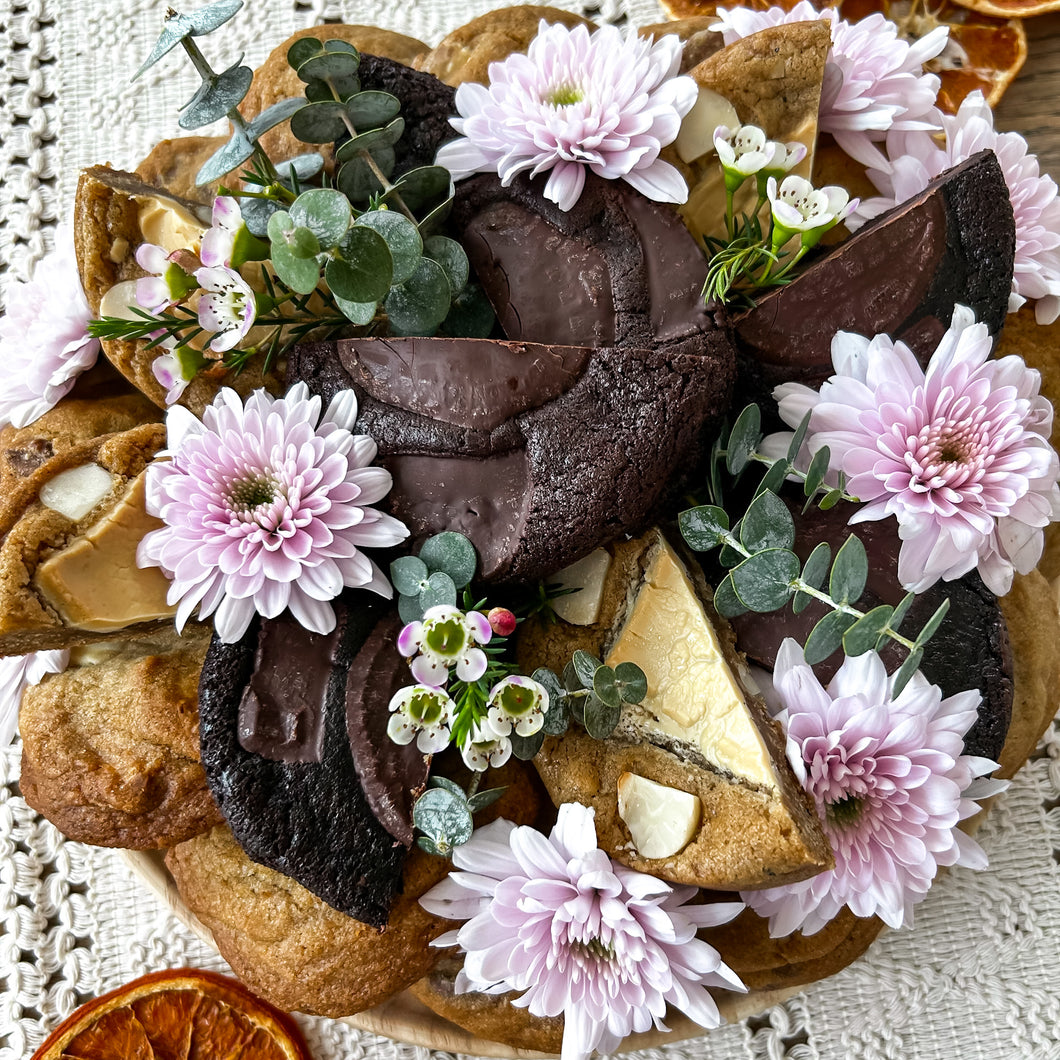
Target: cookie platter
{"points": [[640, 357]]}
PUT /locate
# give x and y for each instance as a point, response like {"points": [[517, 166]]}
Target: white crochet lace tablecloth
{"points": [[979, 976]]}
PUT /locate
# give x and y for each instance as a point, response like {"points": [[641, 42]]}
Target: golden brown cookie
{"points": [[64, 437], [110, 748], [114, 213], [703, 737], [466, 53], [68, 571], [274, 80], [173, 165], [300, 953]]}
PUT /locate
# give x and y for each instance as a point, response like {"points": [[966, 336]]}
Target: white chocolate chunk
{"points": [[169, 225], [76, 492], [693, 695], [119, 301], [661, 820], [587, 576], [696, 137]]}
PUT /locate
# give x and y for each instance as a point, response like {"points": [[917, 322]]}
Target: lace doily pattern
{"points": [[979, 976]]}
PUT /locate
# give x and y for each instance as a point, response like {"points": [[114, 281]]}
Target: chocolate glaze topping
{"points": [[392, 775], [281, 714], [560, 294], [900, 275], [474, 383]]}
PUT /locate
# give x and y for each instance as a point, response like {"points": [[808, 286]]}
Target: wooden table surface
{"points": [[1031, 106]]}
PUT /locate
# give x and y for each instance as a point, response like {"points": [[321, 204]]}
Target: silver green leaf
{"points": [[767, 523], [585, 667], [409, 575], [440, 591], [743, 439], [905, 672], [600, 718], [216, 97], [763, 581], [273, 116], [850, 571], [325, 212], [420, 304], [366, 110], [319, 123], [406, 246], [632, 683], [231, 156], [364, 271], [450, 255], [452, 553], [827, 636], [443, 817], [178, 27], [814, 572], [703, 527], [866, 631]]}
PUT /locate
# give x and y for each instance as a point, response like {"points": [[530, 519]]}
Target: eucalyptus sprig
{"points": [[444, 813], [764, 572]]}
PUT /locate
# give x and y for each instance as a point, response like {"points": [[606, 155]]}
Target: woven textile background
{"points": [[977, 978]]}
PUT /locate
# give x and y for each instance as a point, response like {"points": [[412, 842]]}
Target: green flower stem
{"points": [[797, 585], [208, 74], [370, 162], [730, 219], [476, 781]]}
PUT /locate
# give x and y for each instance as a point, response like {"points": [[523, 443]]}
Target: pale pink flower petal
{"points": [[228, 308], [605, 103], [890, 782], [218, 240], [916, 158], [251, 524], [959, 454], [578, 935], [17, 673], [44, 341]]}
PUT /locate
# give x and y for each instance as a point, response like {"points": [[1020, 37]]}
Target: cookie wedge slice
{"points": [[699, 760]]}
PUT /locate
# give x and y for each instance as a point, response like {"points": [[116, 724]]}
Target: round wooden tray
{"points": [[405, 1019]]}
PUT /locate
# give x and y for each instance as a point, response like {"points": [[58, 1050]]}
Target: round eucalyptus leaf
{"points": [[215, 99], [302, 50], [421, 303], [726, 602], [763, 581], [409, 575], [410, 609], [440, 590], [450, 255], [319, 123], [257, 213], [827, 636], [452, 553], [364, 272], [280, 226], [481, 799], [406, 246], [600, 717], [744, 437], [557, 717], [300, 168], [370, 109], [231, 156], [585, 666], [356, 180], [212, 16], [433, 220], [325, 212], [863, 634], [302, 243], [327, 65], [548, 680], [767, 523], [525, 748], [906, 670], [449, 785], [470, 316], [300, 274], [334, 44], [606, 688], [850, 571], [571, 681], [703, 527], [633, 683], [274, 115], [425, 186], [362, 313], [427, 844], [443, 817], [372, 140]]}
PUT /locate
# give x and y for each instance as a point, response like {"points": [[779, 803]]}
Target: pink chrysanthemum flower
{"points": [[17, 673], [44, 341], [890, 782], [958, 454], [917, 158], [573, 102], [873, 80], [602, 945], [267, 507]]}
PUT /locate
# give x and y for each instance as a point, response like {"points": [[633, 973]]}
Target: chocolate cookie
{"points": [[572, 432], [276, 714], [110, 748], [900, 275]]}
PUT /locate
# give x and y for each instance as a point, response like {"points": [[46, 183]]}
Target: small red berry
{"points": [[501, 621]]}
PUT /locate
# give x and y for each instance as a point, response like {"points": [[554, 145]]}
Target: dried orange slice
{"points": [[983, 53], [1011, 8], [183, 1014]]}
